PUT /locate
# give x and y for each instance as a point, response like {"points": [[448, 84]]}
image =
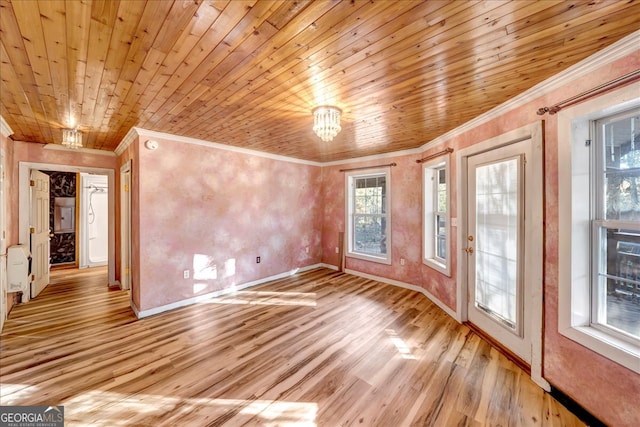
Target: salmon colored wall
{"points": [[36, 153], [10, 190], [601, 386], [11, 235], [200, 204]]}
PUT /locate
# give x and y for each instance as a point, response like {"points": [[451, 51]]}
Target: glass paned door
{"points": [[495, 245]]}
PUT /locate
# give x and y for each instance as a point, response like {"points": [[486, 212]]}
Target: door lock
{"points": [[470, 238]]}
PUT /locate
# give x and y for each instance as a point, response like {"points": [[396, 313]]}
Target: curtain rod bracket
{"points": [[634, 75], [368, 167]]}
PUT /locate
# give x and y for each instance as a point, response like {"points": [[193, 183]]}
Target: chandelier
{"points": [[326, 122], [71, 138]]}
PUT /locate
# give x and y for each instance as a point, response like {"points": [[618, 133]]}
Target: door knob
{"points": [[469, 250]]}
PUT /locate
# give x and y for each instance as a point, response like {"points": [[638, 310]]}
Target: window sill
{"points": [[438, 266], [618, 350], [372, 258]]}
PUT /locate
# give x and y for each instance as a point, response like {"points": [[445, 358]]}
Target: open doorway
{"points": [[25, 169], [94, 220]]}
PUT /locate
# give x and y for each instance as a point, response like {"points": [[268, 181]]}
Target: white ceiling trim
{"points": [[620, 49], [80, 150], [5, 129], [150, 134]]}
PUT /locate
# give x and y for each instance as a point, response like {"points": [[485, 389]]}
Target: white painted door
{"points": [[39, 232], [495, 246]]}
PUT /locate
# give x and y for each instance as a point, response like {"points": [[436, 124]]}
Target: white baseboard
{"points": [[423, 291], [157, 310]]}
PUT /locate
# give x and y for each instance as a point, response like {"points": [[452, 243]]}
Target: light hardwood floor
{"points": [[320, 348]]}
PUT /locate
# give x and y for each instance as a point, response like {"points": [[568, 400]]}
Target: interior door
{"points": [[39, 232], [496, 206]]}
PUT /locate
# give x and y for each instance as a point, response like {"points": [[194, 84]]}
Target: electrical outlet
{"points": [[257, 260], [185, 274], [306, 249], [337, 250], [401, 261]]}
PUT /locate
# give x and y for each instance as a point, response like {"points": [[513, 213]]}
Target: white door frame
{"points": [[23, 204], [533, 237], [83, 233], [3, 240], [125, 225]]}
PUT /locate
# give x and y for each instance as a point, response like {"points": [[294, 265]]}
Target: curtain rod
{"points": [[368, 167], [434, 155], [589, 93]]}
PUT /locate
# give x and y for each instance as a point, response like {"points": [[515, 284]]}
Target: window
{"points": [[369, 216], [436, 215], [615, 225], [599, 225]]}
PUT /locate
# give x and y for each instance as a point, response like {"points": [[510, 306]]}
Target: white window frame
{"points": [[350, 178], [430, 203], [574, 227]]}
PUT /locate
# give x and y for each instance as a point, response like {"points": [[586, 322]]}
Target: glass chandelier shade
{"points": [[326, 122], [71, 138]]}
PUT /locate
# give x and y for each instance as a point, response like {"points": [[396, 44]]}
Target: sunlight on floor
{"points": [[115, 409], [402, 346], [266, 298], [12, 394]]}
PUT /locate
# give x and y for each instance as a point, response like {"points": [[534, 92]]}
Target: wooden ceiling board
{"points": [[249, 72]]}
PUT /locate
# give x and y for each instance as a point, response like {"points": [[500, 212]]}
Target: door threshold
{"points": [[517, 360]]}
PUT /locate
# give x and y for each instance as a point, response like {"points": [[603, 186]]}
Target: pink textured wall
{"points": [[202, 208], [10, 190], [36, 153], [603, 387]]}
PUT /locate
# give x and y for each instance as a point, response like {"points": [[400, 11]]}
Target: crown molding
{"points": [[60, 147], [126, 141], [623, 47], [146, 133], [5, 129]]}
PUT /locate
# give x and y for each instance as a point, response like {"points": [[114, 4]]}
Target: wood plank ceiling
{"points": [[249, 72]]}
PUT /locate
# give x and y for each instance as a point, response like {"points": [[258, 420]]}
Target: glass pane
{"points": [[622, 169], [496, 253], [441, 189], [369, 195], [370, 234], [619, 302]]}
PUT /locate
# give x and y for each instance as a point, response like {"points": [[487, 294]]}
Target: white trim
{"points": [[399, 284], [125, 225], [620, 49], [142, 133], [5, 129], [126, 141], [349, 181], [573, 129], [534, 240], [428, 210], [208, 296], [79, 150], [23, 203]]}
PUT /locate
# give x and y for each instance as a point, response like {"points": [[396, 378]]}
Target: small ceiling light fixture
{"points": [[71, 138], [326, 122]]}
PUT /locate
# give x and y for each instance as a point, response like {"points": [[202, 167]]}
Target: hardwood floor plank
{"points": [[320, 348]]}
